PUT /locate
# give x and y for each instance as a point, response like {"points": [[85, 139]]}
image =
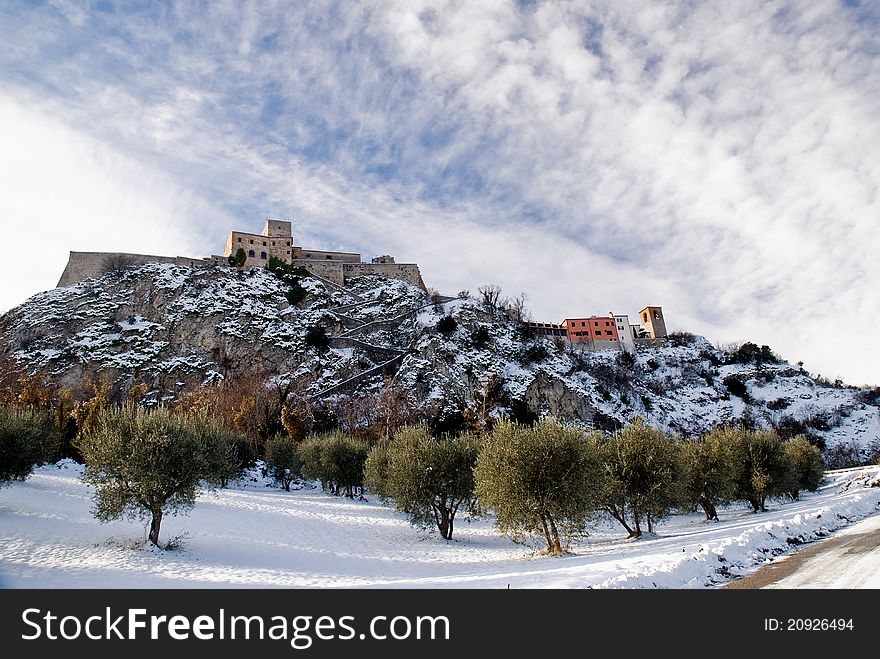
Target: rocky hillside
{"points": [[174, 328]]}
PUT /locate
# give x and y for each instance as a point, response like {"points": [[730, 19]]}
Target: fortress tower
{"points": [[652, 320]]}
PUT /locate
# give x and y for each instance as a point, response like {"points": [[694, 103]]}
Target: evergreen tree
{"points": [[145, 463], [283, 460], [336, 460], [804, 465], [428, 478], [539, 480], [641, 466], [708, 476], [762, 469], [240, 257], [27, 438]]}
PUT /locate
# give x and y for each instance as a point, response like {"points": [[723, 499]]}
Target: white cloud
{"points": [[64, 191]]}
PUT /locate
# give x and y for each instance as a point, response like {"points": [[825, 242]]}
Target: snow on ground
{"points": [[257, 536]]}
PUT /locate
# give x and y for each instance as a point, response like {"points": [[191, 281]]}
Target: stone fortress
{"points": [[276, 240]]}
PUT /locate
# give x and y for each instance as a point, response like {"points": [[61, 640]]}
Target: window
{"points": [[583, 324], [288, 243], [239, 239], [251, 242], [288, 252], [656, 315], [251, 252], [329, 257], [264, 243], [597, 323], [263, 255], [273, 243], [644, 318], [609, 332]]}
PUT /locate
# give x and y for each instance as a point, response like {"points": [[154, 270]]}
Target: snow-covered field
{"points": [[258, 536]]}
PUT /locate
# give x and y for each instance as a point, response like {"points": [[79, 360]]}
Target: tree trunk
{"points": [[154, 526], [557, 544], [708, 508], [548, 538], [620, 518], [650, 523], [444, 523], [637, 530]]}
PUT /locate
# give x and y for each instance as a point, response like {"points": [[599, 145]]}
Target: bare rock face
{"points": [[550, 395]]}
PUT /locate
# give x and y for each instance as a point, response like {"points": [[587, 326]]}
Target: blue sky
{"points": [[719, 159]]}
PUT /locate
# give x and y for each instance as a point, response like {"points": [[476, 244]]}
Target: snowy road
{"points": [[851, 559]]}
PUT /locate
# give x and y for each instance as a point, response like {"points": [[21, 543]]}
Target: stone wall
{"points": [[331, 270], [408, 272], [88, 265]]}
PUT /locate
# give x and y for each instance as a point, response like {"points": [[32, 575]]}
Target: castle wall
{"points": [[89, 265], [331, 270], [408, 272], [320, 255]]}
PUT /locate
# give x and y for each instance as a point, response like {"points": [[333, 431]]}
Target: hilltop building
{"points": [[276, 240], [611, 332]]}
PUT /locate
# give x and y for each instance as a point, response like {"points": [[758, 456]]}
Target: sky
{"points": [[719, 159]]}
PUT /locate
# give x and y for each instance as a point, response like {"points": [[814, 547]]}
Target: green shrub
{"points": [[295, 294], [316, 336], [736, 386], [481, 336], [447, 325]]}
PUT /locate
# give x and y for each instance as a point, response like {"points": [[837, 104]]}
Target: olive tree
{"points": [[147, 463], [428, 478], [27, 438], [336, 460], [762, 469], [539, 480], [641, 469], [805, 469], [282, 459], [708, 471]]}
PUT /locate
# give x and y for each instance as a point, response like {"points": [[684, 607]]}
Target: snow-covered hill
{"points": [[173, 328]]}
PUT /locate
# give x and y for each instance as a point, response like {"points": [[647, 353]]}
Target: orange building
{"points": [[594, 328]]}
